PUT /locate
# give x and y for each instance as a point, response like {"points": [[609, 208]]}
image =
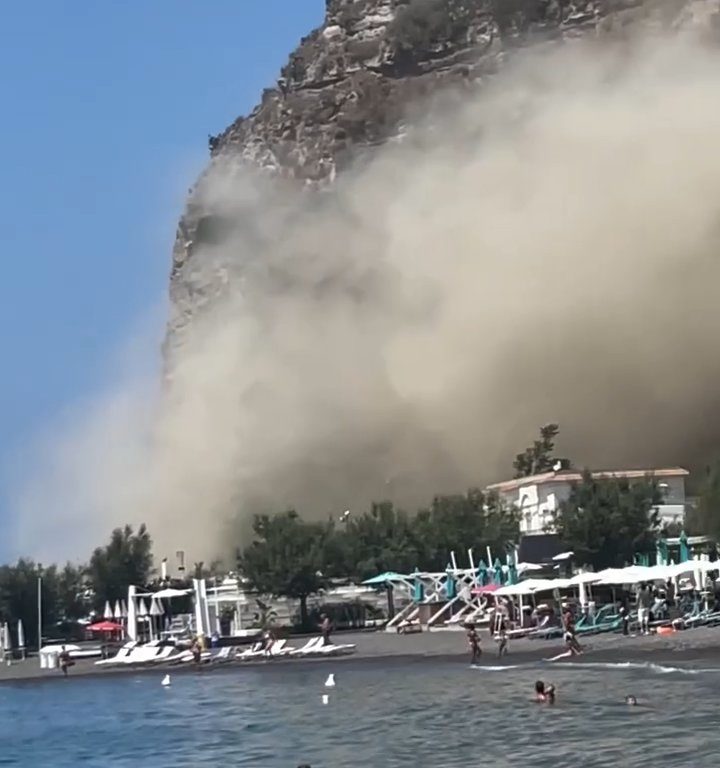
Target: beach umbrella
{"points": [[418, 588], [450, 584], [482, 574], [117, 612], [7, 641], [21, 637], [123, 610], [684, 549], [107, 613], [661, 556], [497, 572], [512, 575]]}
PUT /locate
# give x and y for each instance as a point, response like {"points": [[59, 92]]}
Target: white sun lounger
{"points": [[332, 650], [307, 649], [119, 656], [256, 649]]}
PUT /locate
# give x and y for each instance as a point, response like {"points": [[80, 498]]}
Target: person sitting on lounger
{"points": [[544, 694]]}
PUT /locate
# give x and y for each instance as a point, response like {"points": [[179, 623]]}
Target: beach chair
{"points": [[308, 648], [256, 650], [223, 655], [342, 649], [120, 656]]}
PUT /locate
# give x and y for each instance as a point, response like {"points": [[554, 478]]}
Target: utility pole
{"points": [[39, 606]]}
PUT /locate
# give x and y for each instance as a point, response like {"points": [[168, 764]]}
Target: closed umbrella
{"points": [[498, 576], [450, 584], [7, 641], [418, 588], [117, 613], [108, 614], [142, 611], [21, 637], [155, 611], [123, 610], [482, 573], [684, 549], [512, 575]]}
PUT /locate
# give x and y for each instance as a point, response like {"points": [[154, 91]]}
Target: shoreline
{"points": [[689, 648]]}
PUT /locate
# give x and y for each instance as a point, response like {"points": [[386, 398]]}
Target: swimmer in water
{"points": [[544, 694], [631, 701]]}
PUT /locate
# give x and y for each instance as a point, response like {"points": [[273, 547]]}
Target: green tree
{"points": [[126, 559], [605, 522], [286, 558], [539, 456], [383, 539]]}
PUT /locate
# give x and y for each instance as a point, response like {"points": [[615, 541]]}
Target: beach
{"points": [[690, 647]]}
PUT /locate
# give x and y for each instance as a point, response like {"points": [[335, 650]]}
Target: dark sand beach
{"points": [[696, 647]]}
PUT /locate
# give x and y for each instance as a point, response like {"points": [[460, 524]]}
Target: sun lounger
{"points": [[255, 651], [224, 654], [119, 656], [333, 650], [307, 648]]}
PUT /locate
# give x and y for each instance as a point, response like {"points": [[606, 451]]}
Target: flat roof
{"points": [[574, 476]]}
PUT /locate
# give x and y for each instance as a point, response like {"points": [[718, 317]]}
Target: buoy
{"points": [[166, 680], [330, 682], [325, 698]]}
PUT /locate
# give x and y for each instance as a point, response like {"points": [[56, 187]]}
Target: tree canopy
{"points": [[605, 522], [126, 559], [539, 456], [286, 558]]}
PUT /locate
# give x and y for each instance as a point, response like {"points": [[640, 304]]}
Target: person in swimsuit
{"points": [[569, 633], [544, 694], [501, 635], [631, 701], [474, 643]]}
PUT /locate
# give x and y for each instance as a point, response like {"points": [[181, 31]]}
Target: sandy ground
{"points": [[693, 647]]}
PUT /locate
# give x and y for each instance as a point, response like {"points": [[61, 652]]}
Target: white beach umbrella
{"points": [[7, 641], [21, 636], [142, 608], [123, 610], [108, 614], [117, 613], [156, 608]]}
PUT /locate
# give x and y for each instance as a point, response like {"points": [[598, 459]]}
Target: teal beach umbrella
{"points": [[684, 549], [482, 574], [450, 584], [418, 588], [498, 574]]}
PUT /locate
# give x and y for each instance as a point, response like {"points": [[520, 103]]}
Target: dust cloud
{"points": [[544, 250]]}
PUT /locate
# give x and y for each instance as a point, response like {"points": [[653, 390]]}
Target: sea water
{"points": [[380, 714]]}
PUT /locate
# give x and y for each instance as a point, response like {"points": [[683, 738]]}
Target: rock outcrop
{"points": [[351, 83]]}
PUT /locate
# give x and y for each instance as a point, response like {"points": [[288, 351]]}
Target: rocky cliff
{"points": [[352, 83]]}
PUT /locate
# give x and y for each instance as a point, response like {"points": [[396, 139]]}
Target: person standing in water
{"points": [[325, 629], [501, 634], [474, 642], [544, 694]]}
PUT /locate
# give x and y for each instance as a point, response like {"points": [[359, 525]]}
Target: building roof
{"points": [[573, 476]]}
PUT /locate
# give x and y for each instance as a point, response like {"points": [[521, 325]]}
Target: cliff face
{"points": [[350, 85]]}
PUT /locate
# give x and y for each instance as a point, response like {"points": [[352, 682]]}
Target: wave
{"points": [[659, 669], [490, 668]]}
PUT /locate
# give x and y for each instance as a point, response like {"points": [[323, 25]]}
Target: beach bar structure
{"points": [[446, 597]]}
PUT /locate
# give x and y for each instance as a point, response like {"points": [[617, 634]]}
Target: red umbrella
{"points": [[105, 626]]}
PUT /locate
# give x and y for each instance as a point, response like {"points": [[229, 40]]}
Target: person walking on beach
{"points": [[64, 659], [474, 642], [501, 633], [569, 633], [325, 629]]}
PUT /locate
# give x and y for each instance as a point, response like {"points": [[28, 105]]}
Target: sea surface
{"points": [[380, 715]]}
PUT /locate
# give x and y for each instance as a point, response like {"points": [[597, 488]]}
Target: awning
{"points": [[170, 593]]}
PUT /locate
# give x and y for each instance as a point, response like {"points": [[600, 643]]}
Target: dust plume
{"points": [[543, 250]]}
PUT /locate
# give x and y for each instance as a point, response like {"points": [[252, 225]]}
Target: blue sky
{"points": [[106, 111]]}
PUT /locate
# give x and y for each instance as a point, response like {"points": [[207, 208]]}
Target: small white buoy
{"points": [[166, 680], [325, 698], [330, 682]]}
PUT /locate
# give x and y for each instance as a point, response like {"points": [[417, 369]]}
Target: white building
{"points": [[538, 496]]}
